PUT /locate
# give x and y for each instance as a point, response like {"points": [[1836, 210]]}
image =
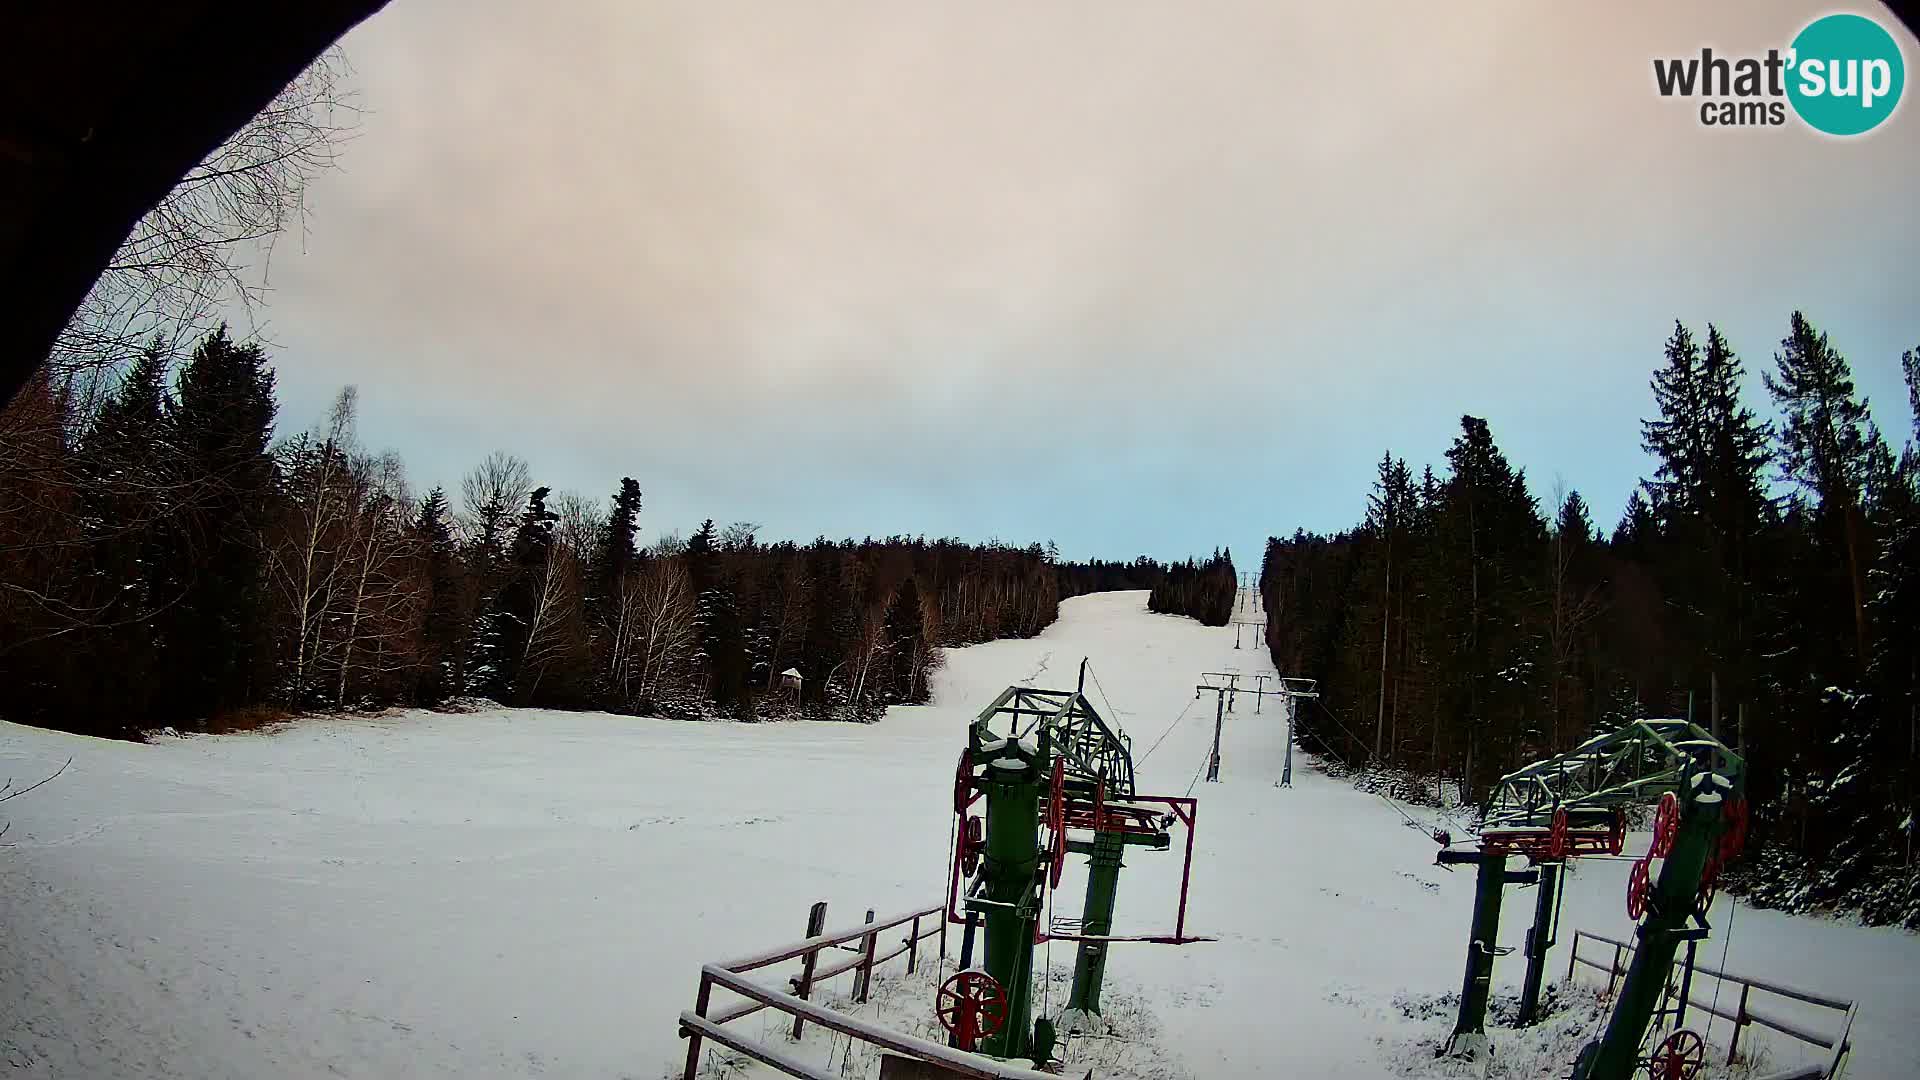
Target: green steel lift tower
{"points": [[1573, 805], [1055, 779]]}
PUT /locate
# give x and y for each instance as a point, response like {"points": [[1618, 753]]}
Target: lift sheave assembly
{"points": [[1051, 779], [1573, 805]]}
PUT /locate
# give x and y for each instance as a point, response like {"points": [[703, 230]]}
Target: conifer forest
{"points": [[1761, 581], [170, 559], [1764, 580]]}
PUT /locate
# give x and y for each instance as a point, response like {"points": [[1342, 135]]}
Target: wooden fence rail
{"points": [[1742, 1013], [862, 943]]}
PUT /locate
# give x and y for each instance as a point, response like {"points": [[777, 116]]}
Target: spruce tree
{"points": [[442, 666], [1708, 496], [703, 556], [222, 421], [1734, 446], [1825, 449], [1389, 510], [721, 645], [130, 430], [1492, 530], [1735, 509], [1638, 529], [907, 649], [1572, 594], [825, 644], [506, 625], [607, 578], [617, 551], [1674, 438], [1883, 725], [1674, 496], [126, 473], [1574, 522]]}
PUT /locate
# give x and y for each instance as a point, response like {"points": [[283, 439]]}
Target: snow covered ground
{"points": [[517, 893]]}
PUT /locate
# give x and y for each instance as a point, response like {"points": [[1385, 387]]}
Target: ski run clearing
{"points": [[523, 893]]}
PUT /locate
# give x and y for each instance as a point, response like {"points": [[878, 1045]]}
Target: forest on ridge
{"points": [[1764, 580], [167, 559]]}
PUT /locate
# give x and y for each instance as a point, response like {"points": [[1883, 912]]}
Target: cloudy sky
{"points": [[1134, 276]]}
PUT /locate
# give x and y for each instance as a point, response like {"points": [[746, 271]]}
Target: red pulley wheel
{"points": [[1057, 795], [1666, 826], [1709, 885], [1617, 834], [972, 842], [1680, 1057], [1557, 836], [963, 782], [1057, 821], [1638, 885], [1057, 857], [971, 1005], [1735, 836]]}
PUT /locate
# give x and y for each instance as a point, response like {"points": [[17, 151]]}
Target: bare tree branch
{"points": [[208, 245], [7, 792]]}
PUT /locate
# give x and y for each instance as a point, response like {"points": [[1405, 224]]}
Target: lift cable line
{"points": [[1395, 807], [1733, 905], [1204, 762], [953, 857], [1111, 711], [1169, 731], [1457, 823]]}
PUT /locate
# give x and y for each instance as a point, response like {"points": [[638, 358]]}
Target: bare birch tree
{"points": [[663, 605], [623, 635], [739, 536], [492, 493], [870, 646], [305, 563], [554, 624], [579, 522], [385, 597], [207, 246]]}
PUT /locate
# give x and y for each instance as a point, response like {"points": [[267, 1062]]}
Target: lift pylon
{"points": [[1574, 804], [1295, 690], [1045, 761]]}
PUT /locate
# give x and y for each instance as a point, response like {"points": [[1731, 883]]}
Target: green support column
{"points": [[1471, 1028], [1617, 1054], [1012, 783], [1539, 940], [1103, 886]]}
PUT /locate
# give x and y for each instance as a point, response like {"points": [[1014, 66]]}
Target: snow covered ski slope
{"points": [[518, 893]]}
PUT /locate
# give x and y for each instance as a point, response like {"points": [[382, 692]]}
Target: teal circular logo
{"points": [[1845, 74]]}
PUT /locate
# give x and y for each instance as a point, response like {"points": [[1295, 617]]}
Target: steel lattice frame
{"points": [[1635, 764], [1093, 751]]}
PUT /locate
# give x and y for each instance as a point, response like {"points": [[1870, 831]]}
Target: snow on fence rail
{"points": [[698, 1024], [1837, 1043]]}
